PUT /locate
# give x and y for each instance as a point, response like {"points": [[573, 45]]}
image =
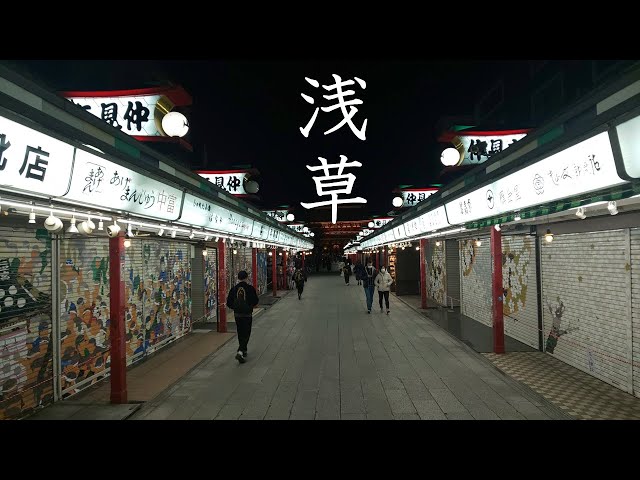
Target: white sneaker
{"points": [[240, 357]]}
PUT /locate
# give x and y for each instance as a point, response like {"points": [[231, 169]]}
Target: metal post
{"points": [[497, 291], [423, 271], [284, 271], [254, 268], [222, 289], [116, 322], [274, 272]]}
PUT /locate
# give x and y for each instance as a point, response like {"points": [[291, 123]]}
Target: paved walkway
{"points": [[324, 357]]}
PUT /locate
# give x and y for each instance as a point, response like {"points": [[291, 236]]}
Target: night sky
{"points": [[249, 112]]}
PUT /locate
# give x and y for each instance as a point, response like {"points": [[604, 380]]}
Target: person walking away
{"points": [[358, 270], [242, 299], [347, 273], [299, 277], [368, 282], [383, 282]]}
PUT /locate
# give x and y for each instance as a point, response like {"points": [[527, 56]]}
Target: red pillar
{"points": [[116, 322], [384, 256], [222, 289], [375, 259], [254, 268], [284, 271], [423, 271], [497, 291], [274, 272]]}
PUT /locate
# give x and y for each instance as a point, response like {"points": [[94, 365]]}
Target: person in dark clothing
{"points": [[347, 273], [242, 299], [368, 282], [299, 277], [359, 272]]}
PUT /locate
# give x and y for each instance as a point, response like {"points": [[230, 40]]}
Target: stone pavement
{"points": [[324, 357]]}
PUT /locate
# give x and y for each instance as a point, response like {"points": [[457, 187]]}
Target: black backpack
{"points": [[241, 306]]}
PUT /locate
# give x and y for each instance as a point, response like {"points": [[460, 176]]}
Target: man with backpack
{"points": [[299, 277], [242, 299]]}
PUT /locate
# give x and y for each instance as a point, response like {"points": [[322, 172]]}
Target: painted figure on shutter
{"points": [[557, 311], [515, 275], [437, 274], [26, 349]]}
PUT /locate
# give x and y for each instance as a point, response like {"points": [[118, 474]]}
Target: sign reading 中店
{"points": [[411, 197], [582, 168], [366, 232], [232, 182], [200, 212], [99, 182], [296, 227], [33, 161], [132, 114]]}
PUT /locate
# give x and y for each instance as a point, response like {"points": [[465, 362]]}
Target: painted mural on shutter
{"points": [[262, 271], [436, 272], [236, 262], [26, 345], [211, 285], [475, 268], [159, 291], [586, 303], [520, 293], [84, 312]]}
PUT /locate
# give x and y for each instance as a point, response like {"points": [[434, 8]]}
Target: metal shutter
{"points": [[521, 294], [452, 264], [586, 310], [436, 272], [26, 342], [158, 289], [475, 270], [211, 285], [84, 312], [635, 307], [262, 271]]}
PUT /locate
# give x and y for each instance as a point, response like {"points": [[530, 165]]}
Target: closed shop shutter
{"points": [[585, 297], [436, 272], [452, 264], [211, 285], [26, 345], [475, 270], [237, 262], [635, 307], [84, 312], [158, 289], [262, 271], [521, 296]]}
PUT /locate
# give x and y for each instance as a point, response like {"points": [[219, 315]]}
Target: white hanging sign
{"points": [[32, 161], [582, 168], [99, 182]]}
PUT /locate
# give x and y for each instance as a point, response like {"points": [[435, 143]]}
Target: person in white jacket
{"points": [[383, 282]]}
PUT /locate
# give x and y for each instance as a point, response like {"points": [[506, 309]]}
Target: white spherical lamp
{"points": [[252, 186], [397, 202], [370, 224], [290, 217], [450, 157], [175, 124]]}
